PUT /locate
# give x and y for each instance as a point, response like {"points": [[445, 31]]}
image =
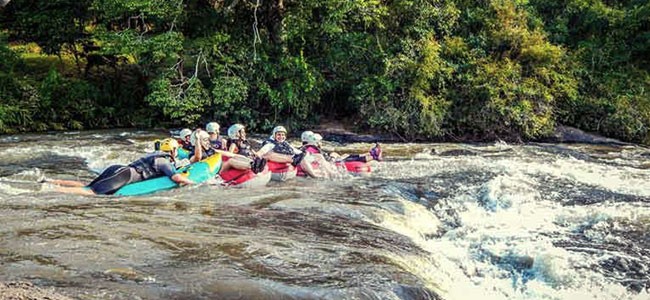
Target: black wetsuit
{"points": [[114, 177]]}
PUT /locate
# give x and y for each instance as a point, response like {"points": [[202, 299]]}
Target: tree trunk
{"points": [[275, 23]]}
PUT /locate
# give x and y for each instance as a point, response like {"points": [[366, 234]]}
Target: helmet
{"points": [[278, 129], [306, 135], [233, 130], [200, 137], [212, 127], [184, 133], [168, 145], [314, 138]]}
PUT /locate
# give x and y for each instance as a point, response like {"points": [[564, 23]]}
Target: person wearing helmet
{"points": [[375, 153], [305, 136], [237, 142], [156, 164], [311, 143], [184, 140], [215, 140], [277, 149], [203, 149]]}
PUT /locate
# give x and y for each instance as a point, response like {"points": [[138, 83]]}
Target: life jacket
{"points": [[282, 148], [207, 153], [186, 145], [311, 149], [144, 165], [242, 147], [216, 144]]}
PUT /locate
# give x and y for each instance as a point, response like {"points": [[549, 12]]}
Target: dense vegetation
{"points": [[456, 69]]}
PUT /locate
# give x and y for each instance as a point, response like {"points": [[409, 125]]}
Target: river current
{"points": [[433, 221]]}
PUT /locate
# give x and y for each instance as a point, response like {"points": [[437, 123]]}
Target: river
{"points": [[433, 221]]}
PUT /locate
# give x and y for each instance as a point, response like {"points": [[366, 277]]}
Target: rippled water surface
{"points": [[434, 221]]}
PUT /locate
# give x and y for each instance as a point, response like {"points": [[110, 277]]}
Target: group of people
{"points": [[202, 143]]}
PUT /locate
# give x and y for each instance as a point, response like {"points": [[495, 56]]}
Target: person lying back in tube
{"points": [[312, 142], [277, 149], [238, 144], [203, 149], [216, 140]]}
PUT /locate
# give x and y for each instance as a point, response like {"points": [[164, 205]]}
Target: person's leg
{"points": [[110, 184], [65, 183], [74, 190], [328, 167], [307, 168], [108, 172], [75, 183], [357, 157], [279, 158], [240, 162]]}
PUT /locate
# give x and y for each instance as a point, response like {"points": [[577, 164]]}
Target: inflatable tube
{"points": [[355, 167], [245, 178], [197, 172], [182, 154], [281, 171]]}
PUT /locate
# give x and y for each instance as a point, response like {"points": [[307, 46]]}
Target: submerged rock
{"points": [[566, 134], [26, 290]]}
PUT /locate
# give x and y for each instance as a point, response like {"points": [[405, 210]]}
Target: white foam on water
{"points": [[504, 248], [12, 190]]}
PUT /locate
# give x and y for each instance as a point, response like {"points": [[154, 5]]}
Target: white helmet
{"points": [[212, 127], [278, 129], [314, 138], [184, 133], [233, 130], [306, 135], [200, 137]]}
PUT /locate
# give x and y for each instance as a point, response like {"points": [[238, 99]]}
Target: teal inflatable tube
{"points": [[197, 172], [183, 154]]}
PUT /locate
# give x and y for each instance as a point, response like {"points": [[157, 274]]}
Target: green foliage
{"points": [[230, 94], [184, 101], [419, 69], [52, 24], [410, 98], [507, 86], [609, 42], [65, 103]]}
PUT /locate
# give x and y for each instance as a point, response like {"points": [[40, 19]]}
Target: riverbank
{"points": [[342, 133]]}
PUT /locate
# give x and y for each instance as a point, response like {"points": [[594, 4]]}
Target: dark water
{"points": [[434, 221]]}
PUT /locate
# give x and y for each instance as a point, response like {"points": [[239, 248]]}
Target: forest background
{"points": [[418, 69]]}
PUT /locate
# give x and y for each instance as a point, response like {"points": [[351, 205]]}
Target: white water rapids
{"points": [[446, 221]]}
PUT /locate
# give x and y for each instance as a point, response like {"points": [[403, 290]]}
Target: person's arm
{"points": [[169, 170], [264, 150], [226, 153], [180, 179], [232, 148], [295, 150], [198, 153]]}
